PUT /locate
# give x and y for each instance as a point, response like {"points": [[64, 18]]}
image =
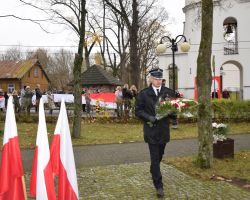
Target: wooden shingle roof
{"points": [[15, 69], [96, 75]]}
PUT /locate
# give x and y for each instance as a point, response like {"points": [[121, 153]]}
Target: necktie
{"points": [[158, 92]]}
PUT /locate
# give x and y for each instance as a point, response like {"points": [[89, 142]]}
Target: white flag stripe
{"points": [[43, 154], [10, 129], [66, 150]]}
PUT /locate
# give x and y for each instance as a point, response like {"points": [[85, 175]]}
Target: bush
{"points": [[227, 110]]}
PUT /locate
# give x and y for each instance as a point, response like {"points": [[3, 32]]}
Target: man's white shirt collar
{"points": [[155, 89]]}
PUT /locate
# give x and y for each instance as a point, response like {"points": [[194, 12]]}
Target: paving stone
{"points": [[133, 181]]}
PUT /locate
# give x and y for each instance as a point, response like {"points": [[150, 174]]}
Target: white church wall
{"points": [[187, 63]]}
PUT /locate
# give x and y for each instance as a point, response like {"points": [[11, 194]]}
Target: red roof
{"points": [[15, 69]]}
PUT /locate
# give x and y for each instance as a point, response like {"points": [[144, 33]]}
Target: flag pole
{"points": [[24, 188]]}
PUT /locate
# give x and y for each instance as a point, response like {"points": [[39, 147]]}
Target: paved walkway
{"points": [[112, 154], [133, 181], [121, 171]]}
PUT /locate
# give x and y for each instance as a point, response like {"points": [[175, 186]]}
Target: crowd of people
{"points": [[24, 100], [125, 98], [225, 94]]}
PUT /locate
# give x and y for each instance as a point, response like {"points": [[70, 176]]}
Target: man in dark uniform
{"points": [[39, 95], [157, 135]]}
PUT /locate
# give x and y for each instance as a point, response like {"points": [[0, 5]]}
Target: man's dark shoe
{"points": [[160, 193]]}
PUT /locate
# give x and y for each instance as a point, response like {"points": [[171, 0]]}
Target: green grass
{"points": [[230, 168], [106, 133]]}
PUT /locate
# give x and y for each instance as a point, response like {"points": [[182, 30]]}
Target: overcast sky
{"points": [[17, 32]]}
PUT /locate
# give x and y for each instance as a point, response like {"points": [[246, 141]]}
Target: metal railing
{"points": [[231, 48]]}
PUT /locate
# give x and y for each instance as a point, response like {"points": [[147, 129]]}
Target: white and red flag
{"points": [[42, 182], [12, 185], [62, 158]]}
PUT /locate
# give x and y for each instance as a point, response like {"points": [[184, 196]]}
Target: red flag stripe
{"points": [[55, 154], [11, 171], [65, 190], [106, 97], [49, 182]]}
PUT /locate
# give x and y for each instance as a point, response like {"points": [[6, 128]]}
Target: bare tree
{"points": [[60, 69], [204, 81], [57, 65], [42, 55], [120, 48], [150, 33], [112, 34], [13, 54], [132, 23], [35, 21], [125, 20], [70, 13]]}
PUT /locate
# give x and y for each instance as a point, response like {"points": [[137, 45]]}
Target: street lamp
{"points": [[161, 48]]}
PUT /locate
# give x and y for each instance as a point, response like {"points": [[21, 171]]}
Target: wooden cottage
{"points": [[14, 75]]}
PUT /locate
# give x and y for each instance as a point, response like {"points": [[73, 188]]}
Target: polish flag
{"points": [[12, 185], [42, 182], [62, 158]]}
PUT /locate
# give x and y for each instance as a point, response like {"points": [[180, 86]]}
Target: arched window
{"points": [[230, 35]]}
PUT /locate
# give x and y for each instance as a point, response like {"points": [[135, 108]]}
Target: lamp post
{"points": [[213, 65], [221, 78], [161, 48]]}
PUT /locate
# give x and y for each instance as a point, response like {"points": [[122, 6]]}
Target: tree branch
{"points": [[27, 19]]}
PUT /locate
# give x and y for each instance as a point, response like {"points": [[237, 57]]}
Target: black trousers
{"points": [[156, 153]]}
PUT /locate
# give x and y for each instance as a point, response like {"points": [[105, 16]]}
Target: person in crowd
{"points": [[156, 131], [97, 90], [88, 103], [16, 101], [22, 97], [27, 99], [214, 95], [2, 96], [51, 103], [126, 97], [6, 97], [84, 104], [133, 92], [225, 94], [118, 100], [38, 94]]}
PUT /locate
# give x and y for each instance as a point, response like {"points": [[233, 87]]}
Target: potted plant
{"points": [[223, 147]]}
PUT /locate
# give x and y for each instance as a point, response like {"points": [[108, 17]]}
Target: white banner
{"points": [[69, 98]]}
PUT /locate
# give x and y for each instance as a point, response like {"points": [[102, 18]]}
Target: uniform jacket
{"points": [[145, 107]]}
